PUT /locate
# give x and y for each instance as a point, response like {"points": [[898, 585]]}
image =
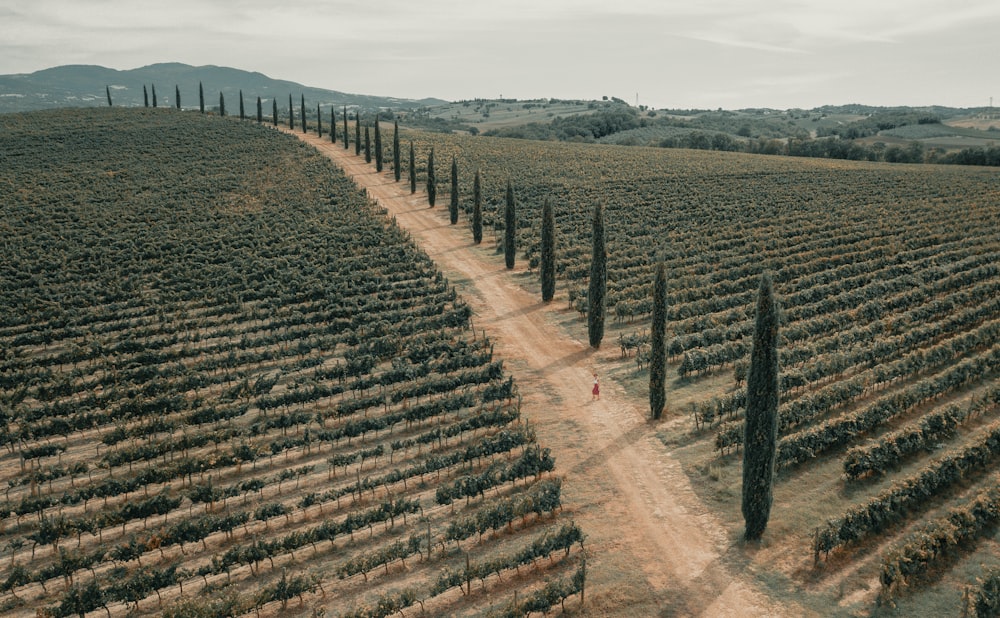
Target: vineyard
{"points": [[229, 386], [888, 282], [233, 389]]}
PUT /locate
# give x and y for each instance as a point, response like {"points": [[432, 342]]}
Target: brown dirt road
{"points": [[654, 549]]}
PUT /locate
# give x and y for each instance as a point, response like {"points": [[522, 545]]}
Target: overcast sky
{"points": [[665, 53]]}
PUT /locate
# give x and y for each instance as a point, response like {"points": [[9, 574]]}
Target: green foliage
{"points": [[509, 227], [453, 203], [761, 426], [598, 282], [982, 600], [368, 146], [658, 347], [302, 111], [412, 170], [397, 170], [547, 252], [201, 97], [378, 147], [477, 209], [357, 133], [431, 180]]}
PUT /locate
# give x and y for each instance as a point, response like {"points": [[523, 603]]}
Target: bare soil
{"points": [[654, 548]]}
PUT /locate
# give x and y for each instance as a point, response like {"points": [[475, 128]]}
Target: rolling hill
{"points": [[84, 86]]}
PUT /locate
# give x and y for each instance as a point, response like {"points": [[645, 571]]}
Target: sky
{"points": [[666, 54]]}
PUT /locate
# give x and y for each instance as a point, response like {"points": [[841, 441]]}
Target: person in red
{"points": [[596, 392]]}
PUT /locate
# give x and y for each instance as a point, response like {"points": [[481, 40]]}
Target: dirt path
{"points": [[655, 549]]}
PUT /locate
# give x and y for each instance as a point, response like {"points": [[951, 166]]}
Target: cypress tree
{"points": [[368, 146], [333, 125], [378, 147], [477, 209], [260, 111], [302, 110], [412, 171], [291, 112], [243, 115], [453, 205], [154, 94], [201, 98], [760, 437], [107, 91], [347, 139], [177, 96], [548, 252], [598, 281], [509, 227], [431, 179], [145, 96], [357, 133], [658, 347], [274, 111], [222, 105], [397, 172], [319, 122]]}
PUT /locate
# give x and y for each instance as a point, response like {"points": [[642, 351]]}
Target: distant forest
{"points": [[727, 131]]}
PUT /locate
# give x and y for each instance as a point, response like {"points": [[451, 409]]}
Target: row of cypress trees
{"points": [[761, 420]]}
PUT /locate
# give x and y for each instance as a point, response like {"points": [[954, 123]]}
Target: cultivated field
{"points": [[222, 367], [230, 386], [888, 281]]}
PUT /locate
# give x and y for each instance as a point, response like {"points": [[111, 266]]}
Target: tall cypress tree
{"points": [[347, 139], [145, 96], [302, 109], [274, 111], [243, 114], [453, 205], [291, 112], [222, 104], [357, 133], [319, 122], [333, 125], [509, 227], [177, 96], [413, 171], [378, 146], [395, 151], [548, 252], [658, 347], [154, 94], [760, 437], [201, 98], [431, 179], [368, 146], [477, 209], [597, 289], [260, 111], [107, 91]]}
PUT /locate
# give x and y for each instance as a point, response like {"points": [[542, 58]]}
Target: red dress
{"points": [[597, 389]]}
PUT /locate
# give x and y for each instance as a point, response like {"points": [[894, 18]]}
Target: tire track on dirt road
{"points": [[654, 548]]}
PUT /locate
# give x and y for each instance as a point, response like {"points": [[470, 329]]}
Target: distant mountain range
{"points": [[84, 86]]}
